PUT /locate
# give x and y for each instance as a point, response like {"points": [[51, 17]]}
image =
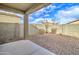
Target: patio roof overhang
{"points": [[22, 8]]}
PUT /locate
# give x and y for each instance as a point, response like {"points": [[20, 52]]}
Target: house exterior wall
{"points": [[10, 28], [9, 19]]}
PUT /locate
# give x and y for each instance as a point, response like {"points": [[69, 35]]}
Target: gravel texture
{"points": [[58, 44]]}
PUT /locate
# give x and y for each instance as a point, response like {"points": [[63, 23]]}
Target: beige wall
{"points": [[35, 30], [69, 29], [9, 32], [10, 28], [9, 19], [32, 30], [13, 20], [76, 22], [21, 31]]}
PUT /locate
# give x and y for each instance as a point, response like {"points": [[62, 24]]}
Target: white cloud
{"points": [[30, 18], [39, 20], [68, 15], [39, 12], [51, 7]]}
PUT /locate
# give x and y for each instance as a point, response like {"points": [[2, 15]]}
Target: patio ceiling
{"points": [[22, 7]]}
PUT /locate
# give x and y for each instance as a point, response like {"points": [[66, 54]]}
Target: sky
{"points": [[60, 13]]}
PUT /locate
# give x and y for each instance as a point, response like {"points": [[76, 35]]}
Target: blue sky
{"points": [[61, 13]]}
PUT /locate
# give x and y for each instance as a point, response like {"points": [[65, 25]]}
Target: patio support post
{"points": [[25, 26]]}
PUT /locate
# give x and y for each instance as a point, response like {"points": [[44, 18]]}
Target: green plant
{"points": [[53, 30], [41, 31]]}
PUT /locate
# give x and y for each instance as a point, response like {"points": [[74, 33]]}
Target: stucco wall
{"points": [[35, 30], [21, 31], [32, 30], [9, 19], [69, 29], [9, 28], [9, 32]]}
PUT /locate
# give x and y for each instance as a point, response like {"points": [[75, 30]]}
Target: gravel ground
{"points": [[58, 44]]}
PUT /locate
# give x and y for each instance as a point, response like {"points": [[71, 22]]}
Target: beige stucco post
{"points": [[29, 11], [25, 26]]}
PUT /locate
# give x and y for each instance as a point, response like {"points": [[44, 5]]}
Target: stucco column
{"points": [[25, 26]]}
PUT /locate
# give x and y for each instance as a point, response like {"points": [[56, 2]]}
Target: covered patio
{"points": [[22, 45], [20, 11], [63, 40]]}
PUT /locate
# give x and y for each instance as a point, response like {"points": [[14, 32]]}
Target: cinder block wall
{"points": [[35, 31], [69, 29]]}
